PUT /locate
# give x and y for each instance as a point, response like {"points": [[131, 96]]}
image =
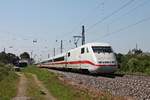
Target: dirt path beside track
{"points": [[23, 85], [47, 96]]}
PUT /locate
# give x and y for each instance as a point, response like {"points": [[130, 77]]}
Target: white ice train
{"points": [[94, 57]]}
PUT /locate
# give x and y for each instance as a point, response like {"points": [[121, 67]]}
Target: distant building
{"points": [[139, 52], [24, 62], [135, 51]]}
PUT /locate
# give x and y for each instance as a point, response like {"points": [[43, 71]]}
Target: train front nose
{"points": [[106, 69], [107, 63], [105, 59]]}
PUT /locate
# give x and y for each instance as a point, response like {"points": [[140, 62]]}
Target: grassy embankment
{"points": [[8, 82], [60, 90]]}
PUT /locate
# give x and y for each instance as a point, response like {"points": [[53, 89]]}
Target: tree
{"points": [[119, 57], [3, 57], [8, 58], [133, 65], [12, 58], [25, 55]]}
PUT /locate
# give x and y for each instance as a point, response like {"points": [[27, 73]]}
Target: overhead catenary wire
{"points": [[138, 6], [111, 14], [83, 20], [106, 17], [126, 27], [89, 14]]}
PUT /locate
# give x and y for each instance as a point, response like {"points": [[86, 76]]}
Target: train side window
{"points": [[59, 59], [69, 54], [82, 50], [87, 50]]}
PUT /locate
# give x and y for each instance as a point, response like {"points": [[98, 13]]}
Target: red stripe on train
{"points": [[83, 62]]}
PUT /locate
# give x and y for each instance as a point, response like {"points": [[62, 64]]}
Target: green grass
{"points": [[33, 89], [63, 91], [8, 86], [58, 89], [146, 73]]}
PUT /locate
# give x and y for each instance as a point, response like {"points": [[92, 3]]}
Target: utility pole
{"points": [[31, 53], [4, 50], [76, 39], [54, 51], [61, 47], [83, 35], [136, 46], [48, 55]]}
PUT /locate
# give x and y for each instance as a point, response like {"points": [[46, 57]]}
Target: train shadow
{"points": [[86, 72], [113, 75]]}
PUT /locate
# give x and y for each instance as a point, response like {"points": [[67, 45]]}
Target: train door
{"points": [[66, 59], [82, 58], [80, 61]]}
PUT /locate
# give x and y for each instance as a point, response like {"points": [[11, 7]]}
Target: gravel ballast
{"points": [[134, 86]]}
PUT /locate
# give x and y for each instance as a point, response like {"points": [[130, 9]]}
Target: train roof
{"points": [[96, 44], [91, 44]]}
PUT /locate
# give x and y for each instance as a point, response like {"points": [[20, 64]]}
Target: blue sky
{"points": [[22, 21]]}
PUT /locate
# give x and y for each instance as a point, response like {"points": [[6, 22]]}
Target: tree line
{"points": [[133, 63], [10, 58]]}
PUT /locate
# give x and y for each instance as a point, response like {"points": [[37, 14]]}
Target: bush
{"points": [[147, 71], [8, 82], [134, 63], [8, 86], [4, 70], [145, 64]]}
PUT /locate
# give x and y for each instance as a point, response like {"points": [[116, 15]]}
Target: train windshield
{"points": [[102, 49]]}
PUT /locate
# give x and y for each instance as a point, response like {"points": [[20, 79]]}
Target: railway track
{"points": [[134, 86]]}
